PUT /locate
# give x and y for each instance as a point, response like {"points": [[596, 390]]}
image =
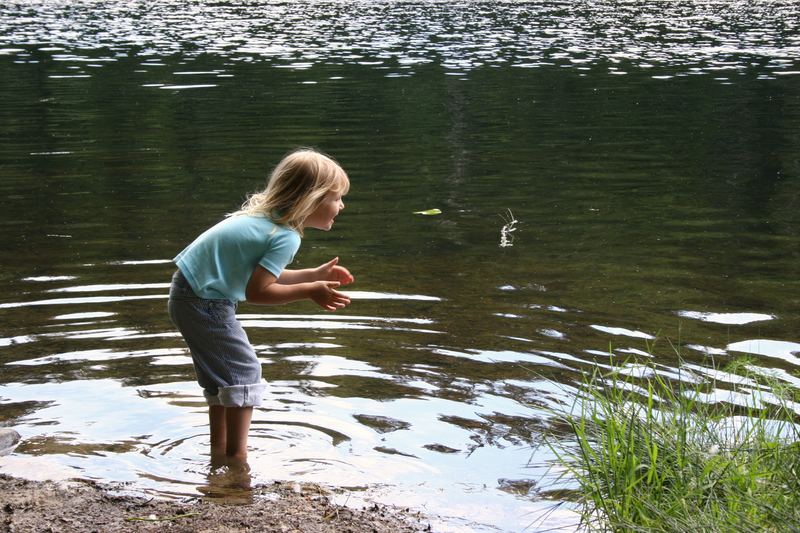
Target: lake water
{"points": [[648, 152]]}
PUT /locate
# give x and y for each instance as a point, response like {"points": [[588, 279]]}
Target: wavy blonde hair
{"points": [[296, 187]]}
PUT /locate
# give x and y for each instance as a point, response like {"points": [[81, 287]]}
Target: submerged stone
{"points": [[8, 440], [382, 424]]}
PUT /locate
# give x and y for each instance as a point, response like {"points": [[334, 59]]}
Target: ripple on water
{"points": [[334, 322], [98, 354], [785, 350], [84, 315], [331, 365], [80, 300], [499, 356], [462, 37], [726, 318], [622, 331], [48, 278]]}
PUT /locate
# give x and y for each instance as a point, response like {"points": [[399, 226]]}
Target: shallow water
{"points": [[648, 154]]}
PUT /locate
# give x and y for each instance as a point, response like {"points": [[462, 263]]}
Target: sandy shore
{"points": [[83, 506]]}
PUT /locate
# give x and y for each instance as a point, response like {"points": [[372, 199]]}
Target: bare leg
{"points": [[218, 431], [237, 421]]}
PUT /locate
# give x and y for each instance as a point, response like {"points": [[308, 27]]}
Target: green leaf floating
{"points": [[429, 212]]}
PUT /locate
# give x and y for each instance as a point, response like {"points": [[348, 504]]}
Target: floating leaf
{"points": [[429, 212]]}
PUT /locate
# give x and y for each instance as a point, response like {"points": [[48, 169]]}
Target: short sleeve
{"points": [[282, 248]]}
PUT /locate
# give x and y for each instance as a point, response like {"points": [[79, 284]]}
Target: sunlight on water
{"points": [[500, 357], [81, 316], [623, 331], [726, 318], [368, 295], [84, 300], [788, 351], [389, 35], [100, 355], [103, 288]]}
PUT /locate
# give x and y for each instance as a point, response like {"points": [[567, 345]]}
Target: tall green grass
{"points": [[650, 453]]}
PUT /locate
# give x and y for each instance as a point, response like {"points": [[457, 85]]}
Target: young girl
{"points": [[244, 258]]}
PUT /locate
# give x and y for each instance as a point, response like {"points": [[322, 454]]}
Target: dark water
{"points": [[648, 151]]}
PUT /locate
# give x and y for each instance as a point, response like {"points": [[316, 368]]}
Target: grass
{"points": [[651, 453]]}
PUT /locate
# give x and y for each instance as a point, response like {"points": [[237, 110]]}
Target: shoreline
{"points": [[79, 505]]}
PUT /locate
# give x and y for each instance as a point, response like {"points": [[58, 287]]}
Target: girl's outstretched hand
{"points": [[326, 296], [332, 271]]}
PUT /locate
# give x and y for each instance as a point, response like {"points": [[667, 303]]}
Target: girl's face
{"points": [[323, 215]]}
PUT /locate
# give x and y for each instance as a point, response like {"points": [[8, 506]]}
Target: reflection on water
{"points": [[228, 482], [701, 36], [647, 154]]}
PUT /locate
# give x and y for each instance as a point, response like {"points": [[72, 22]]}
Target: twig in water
{"points": [[506, 239]]}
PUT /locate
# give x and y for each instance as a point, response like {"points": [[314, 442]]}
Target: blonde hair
{"points": [[296, 187]]}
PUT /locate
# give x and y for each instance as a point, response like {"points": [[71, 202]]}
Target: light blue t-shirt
{"points": [[219, 263]]}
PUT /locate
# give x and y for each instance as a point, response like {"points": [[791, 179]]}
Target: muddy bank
{"points": [[83, 506]]}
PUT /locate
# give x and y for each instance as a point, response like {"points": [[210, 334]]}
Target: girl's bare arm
{"points": [[263, 288], [330, 271]]}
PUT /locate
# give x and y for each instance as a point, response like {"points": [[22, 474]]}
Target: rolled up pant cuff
{"points": [[237, 395]]}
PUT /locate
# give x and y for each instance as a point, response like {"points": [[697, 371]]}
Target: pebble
{"points": [[8, 440]]}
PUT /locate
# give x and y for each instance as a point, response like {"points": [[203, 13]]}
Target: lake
{"points": [[617, 181]]}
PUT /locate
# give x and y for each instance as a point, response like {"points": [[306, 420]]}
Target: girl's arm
{"points": [[330, 271], [264, 289], [292, 277]]}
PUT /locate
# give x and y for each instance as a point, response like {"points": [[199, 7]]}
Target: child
{"points": [[244, 258]]}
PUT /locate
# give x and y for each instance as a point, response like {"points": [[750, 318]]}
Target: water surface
{"points": [[648, 152]]}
